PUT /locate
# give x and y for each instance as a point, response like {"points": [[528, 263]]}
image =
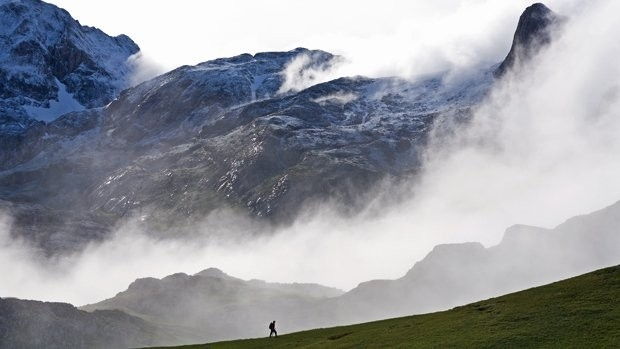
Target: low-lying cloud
{"points": [[305, 70], [143, 68]]}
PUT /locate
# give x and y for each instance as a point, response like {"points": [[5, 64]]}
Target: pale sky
{"points": [[382, 37]]}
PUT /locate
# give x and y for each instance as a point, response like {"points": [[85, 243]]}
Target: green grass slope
{"points": [[581, 312]]}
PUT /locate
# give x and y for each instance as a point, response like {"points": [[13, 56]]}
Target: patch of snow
{"points": [[64, 104], [258, 81]]}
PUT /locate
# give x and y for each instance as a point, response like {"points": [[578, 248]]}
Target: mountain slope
{"points": [[33, 324], [221, 135], [581, 312]]}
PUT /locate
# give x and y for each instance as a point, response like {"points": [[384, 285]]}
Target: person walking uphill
{"points": [[272, 329]]}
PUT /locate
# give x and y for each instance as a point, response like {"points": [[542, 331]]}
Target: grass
{"points": [[581, 312]]}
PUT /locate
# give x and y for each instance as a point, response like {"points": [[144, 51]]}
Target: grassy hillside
{"points": [[581, 312]]}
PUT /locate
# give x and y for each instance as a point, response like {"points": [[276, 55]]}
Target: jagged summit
{"points": [[533, 31], [533, 21]]}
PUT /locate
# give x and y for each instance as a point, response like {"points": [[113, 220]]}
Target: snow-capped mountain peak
{"points": [[51, 64]]}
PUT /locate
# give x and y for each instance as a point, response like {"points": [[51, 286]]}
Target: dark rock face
{"points": [[533, 32], [33, 324], [16, 136]]}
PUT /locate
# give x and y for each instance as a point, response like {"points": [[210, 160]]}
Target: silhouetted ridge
{"points": [[533, 31]]}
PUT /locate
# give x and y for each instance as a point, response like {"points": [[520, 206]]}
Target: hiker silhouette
{"points": [[272, 329]]}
